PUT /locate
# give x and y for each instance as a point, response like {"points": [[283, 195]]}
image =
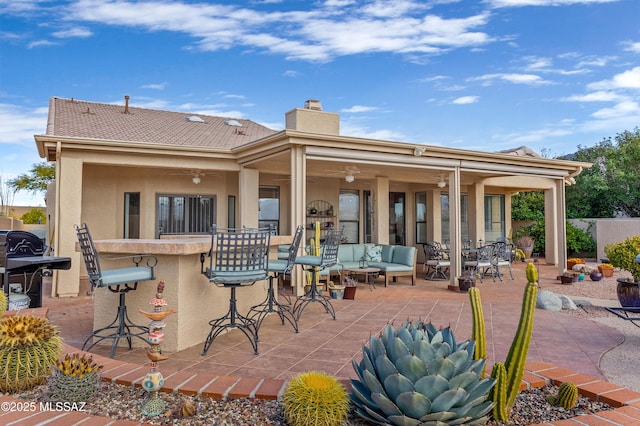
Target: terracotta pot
{"points": [[350, 292], [606, 272], [629, 294]]}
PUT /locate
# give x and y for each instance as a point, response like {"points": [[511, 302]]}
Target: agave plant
{"points": [[419, 375]]}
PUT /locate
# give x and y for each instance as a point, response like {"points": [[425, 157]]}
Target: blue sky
{"points": [[487, 75]]}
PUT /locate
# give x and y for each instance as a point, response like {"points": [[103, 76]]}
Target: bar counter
{"points": [[186, 289]]}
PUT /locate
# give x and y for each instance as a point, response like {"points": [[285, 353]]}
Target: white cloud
{"points": [[521, 3], [358, 109], [20, 124], [290, 73], [528, 79], [348, 128], [631, 46], [535, 135], [319, 34], [629, 79], [156, 86], [464, 100], [73, 32], [599, 96], [622, 109], [40, 43]]}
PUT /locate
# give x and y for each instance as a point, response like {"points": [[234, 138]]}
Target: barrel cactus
{"points": [[73, 379], [315, 399], [29, 346], [417, 374], [567, 396]]}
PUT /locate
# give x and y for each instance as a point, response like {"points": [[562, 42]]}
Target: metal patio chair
{"points": [[238, 258], [117, 280], [279, 268], [313, 265], [502, 258], [484, 263], [436, 258]]}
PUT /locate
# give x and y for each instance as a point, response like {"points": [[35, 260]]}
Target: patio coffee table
{"points": [[370, 274]]}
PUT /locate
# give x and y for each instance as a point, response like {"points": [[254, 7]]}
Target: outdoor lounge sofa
{"points": [[393, 261]]}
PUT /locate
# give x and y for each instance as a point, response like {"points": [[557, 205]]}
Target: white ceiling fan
{"points": [[348, 172], [196, 175]]}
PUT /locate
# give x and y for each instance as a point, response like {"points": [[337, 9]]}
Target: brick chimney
{"points": [[312, 119]]}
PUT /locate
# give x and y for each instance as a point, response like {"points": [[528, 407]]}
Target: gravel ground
{"points": [[124, 403]]}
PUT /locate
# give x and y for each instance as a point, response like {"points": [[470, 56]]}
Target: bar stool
{"points": [[120, 281], [279, 268], [313, 264], [238, 258]]}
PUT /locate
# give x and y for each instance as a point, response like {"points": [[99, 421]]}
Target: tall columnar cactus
{"points": [[517, 356], [29, 346], [567, 396], [499, 392], [478, 333], [315, 399], [3, 303]]}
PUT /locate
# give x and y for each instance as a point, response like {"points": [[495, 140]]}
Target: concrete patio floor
{"points": [[329, 345]]}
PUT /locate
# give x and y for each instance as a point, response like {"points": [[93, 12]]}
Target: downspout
{"points": [[570, 179]]}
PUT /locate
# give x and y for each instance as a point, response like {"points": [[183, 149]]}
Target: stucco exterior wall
{"points": [[608, 231]]}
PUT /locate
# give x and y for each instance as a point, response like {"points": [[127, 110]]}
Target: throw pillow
{"points": [[374, 253]]}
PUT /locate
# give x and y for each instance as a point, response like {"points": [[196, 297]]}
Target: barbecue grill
{"points": [[22, 261]]}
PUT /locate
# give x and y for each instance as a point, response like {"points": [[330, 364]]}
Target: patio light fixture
{"points": [[196, 179], [349, 178], [442, 183]]}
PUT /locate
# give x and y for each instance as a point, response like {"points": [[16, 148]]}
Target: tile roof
{"points": [[90, 120]]}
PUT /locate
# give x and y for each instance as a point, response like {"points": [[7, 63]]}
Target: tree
{"points": [[7, 194], [528, 206], [34, 216], [36, 180], [612, 185]]}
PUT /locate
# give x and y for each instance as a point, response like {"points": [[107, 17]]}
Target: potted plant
{"points": [[568, 277], [350, 287], [606, 269], [572, 261], [525, 243], [466, 281], [626, 255]]}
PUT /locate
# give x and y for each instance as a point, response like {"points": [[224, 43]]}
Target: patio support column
{"points": [[381, 208], [297, 208], [248, 182], [455, 234], [68, 212], [555, 226], [476, 212], [434, 219]]}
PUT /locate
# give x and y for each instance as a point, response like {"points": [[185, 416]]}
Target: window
{"points": [[349, 210], [464, 217], [231, 211], [421, 217], [185, 214], [131, 215], [396, 218], [269, 207], [493, 217]]}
